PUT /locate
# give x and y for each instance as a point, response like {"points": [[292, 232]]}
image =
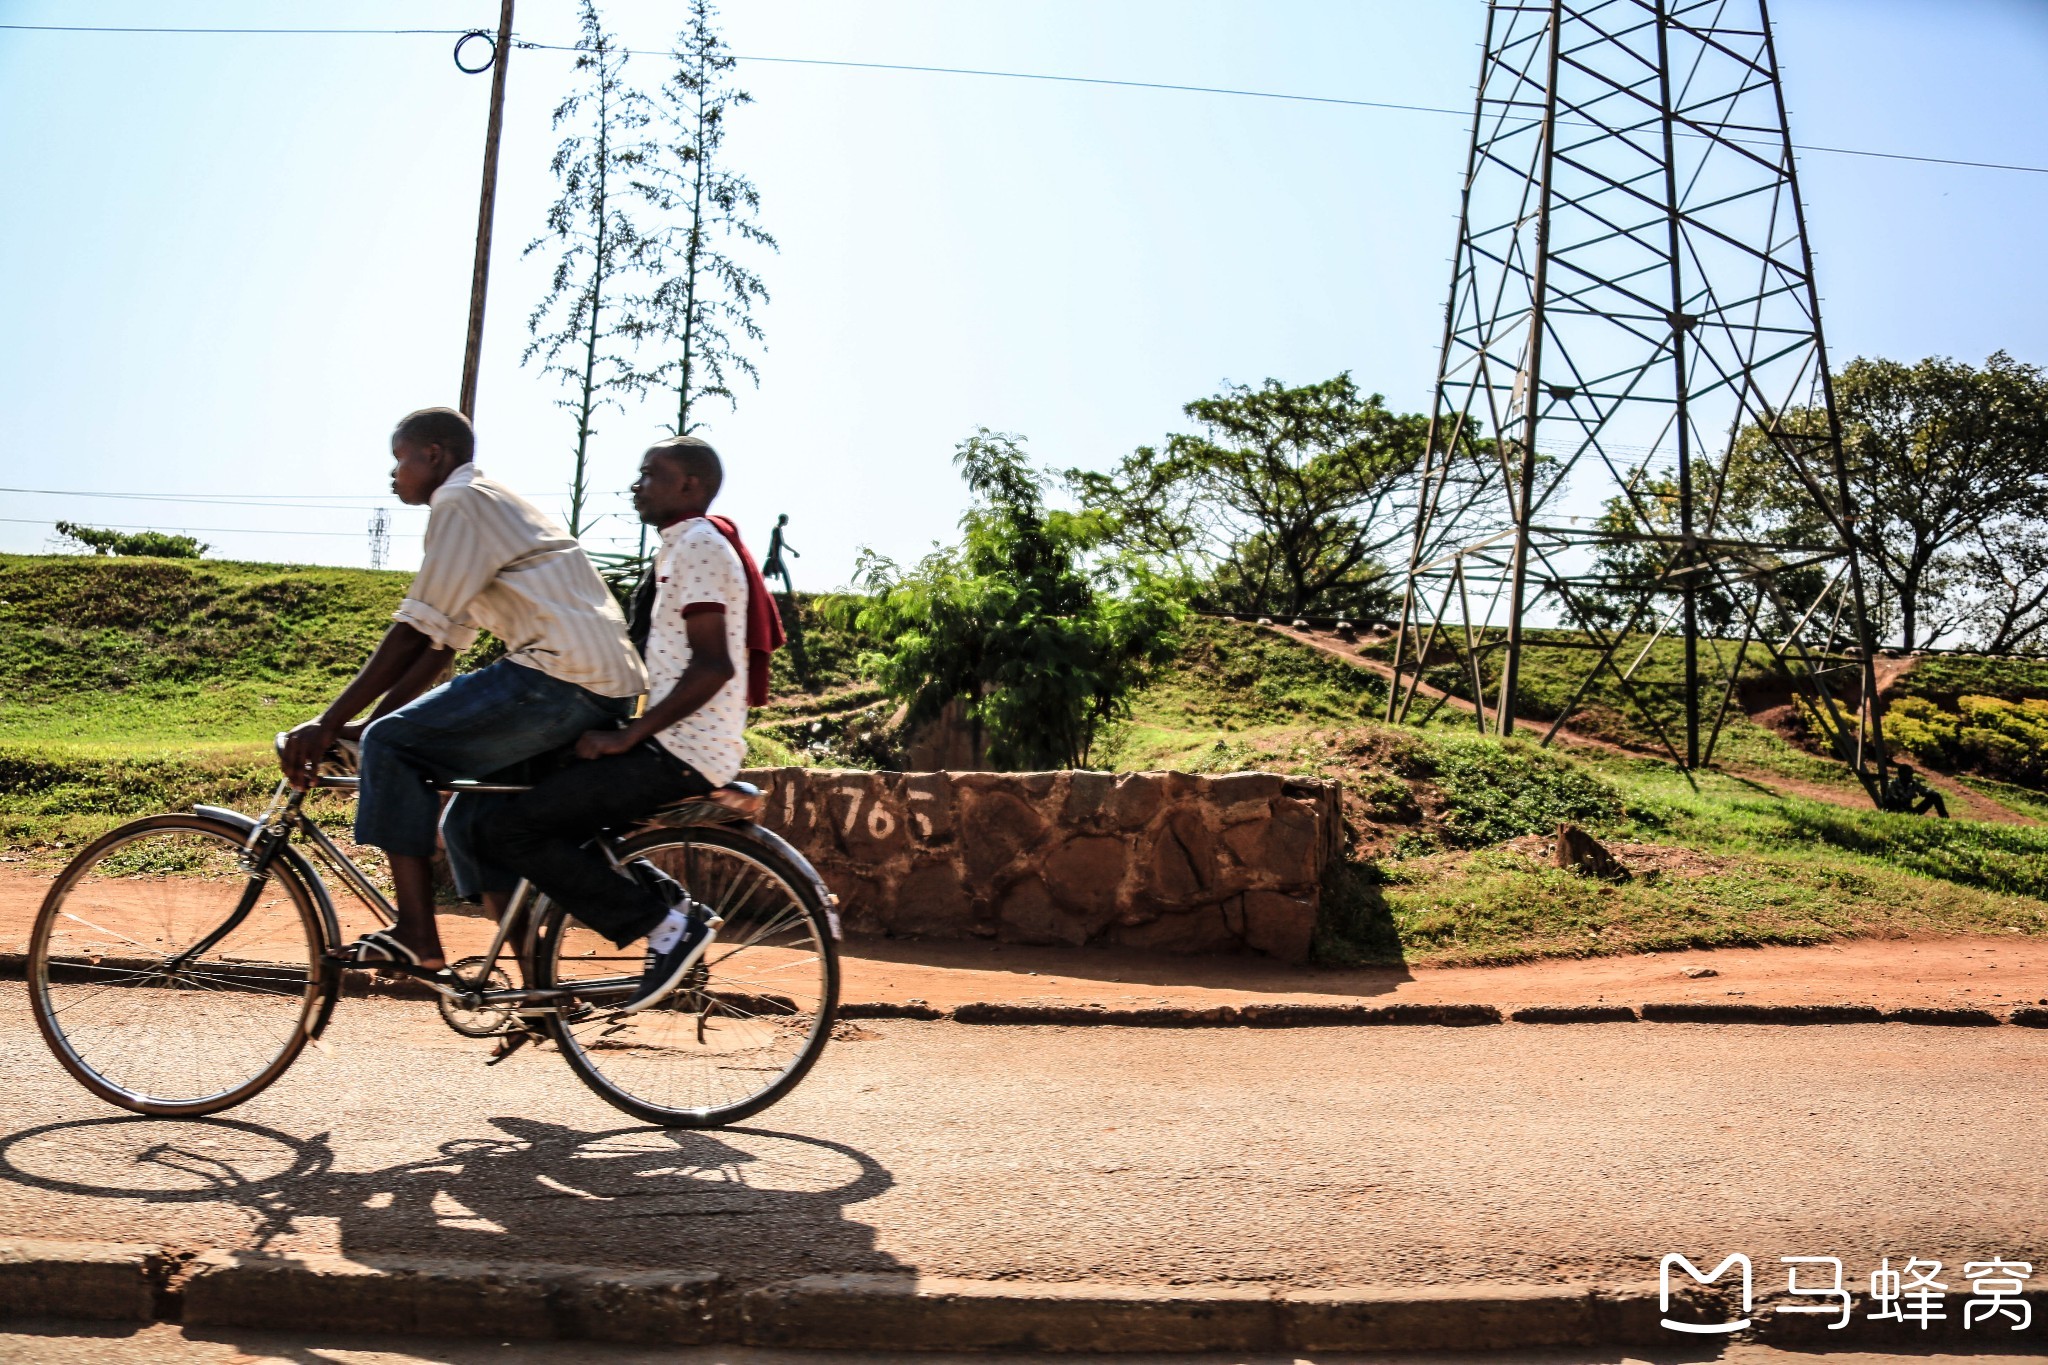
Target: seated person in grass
{"points": [[1911, 794], [701, 629], [492, 562]]}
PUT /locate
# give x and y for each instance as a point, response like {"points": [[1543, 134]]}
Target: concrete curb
{"points": [[1308, 1015], [1311, 1015], [1574, 1014], [69, 1280], [96, 1281], [1717, 1012], [451, 1298]]}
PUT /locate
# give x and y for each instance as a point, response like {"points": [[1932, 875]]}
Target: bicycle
{"points": [[181, 963]]}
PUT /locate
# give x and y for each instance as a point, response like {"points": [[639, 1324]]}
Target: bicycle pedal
{"points": [[510, 1043]]}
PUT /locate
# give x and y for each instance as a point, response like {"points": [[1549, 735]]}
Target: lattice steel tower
{"points": [[1633, 339]]}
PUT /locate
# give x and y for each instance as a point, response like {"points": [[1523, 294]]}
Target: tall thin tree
{"points": [[702, 311], [585, 325]]}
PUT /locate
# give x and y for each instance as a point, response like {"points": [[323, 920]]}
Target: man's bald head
{"points": [[693, 456]]}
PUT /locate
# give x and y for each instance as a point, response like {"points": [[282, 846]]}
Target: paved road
{"points": [[1310, 1157], [77, 1344]]}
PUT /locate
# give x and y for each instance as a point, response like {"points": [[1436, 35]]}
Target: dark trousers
{"points": [[544, 836]]}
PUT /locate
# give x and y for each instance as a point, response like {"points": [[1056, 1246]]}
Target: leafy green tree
{"points": [[1038, 630], [585, 322], [701, 314], [1937, 452], [2004, 575], [1288, 500], [106, 542], [1631, 569]]}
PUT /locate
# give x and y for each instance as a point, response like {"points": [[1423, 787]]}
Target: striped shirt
{"points": [[495, 562]]}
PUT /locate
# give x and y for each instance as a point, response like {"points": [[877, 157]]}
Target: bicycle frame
{"points": [[271, 832]]}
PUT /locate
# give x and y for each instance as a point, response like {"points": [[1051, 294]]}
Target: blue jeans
{"points": [[472, 726]]}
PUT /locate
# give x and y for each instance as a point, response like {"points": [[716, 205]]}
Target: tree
{"points": [[1038, 632], [580, 325], [1287, 501], [702, 310], [1633, 568], [1935, 451], [2004, 575], [106, 542]]}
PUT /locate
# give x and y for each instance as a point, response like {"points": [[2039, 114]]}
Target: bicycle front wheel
{"points": [[747, 1021], [129, 1008]]}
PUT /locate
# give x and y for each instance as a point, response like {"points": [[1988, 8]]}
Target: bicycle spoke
{"points": [[164, 1038], [748, 1018]]}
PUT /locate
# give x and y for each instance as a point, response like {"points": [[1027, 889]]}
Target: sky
{"points": [[233, 261]]}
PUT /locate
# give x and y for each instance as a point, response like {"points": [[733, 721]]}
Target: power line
{"points": [[307, 502], [283, 501], [996, 74], [207, 530], [318, 32]]}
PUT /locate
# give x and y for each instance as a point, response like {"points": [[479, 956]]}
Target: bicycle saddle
{"points": [[730, 804]]}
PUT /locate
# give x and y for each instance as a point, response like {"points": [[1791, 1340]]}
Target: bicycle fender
{"points": [[295, 865], [769, 839]]}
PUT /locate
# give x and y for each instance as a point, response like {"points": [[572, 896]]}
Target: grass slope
{"points": [[135, 685], [1728, 863]]}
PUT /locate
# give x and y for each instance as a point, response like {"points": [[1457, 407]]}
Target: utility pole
{"points": [[480, 275]]}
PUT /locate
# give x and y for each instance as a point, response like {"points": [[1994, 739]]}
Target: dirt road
{"points": [[1996, 972], [1299, 1157], [89, 1344]]}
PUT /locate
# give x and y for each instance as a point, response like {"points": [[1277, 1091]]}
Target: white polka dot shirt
{"points": [[698, 572]]}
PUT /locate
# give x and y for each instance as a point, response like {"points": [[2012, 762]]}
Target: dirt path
{"points": [[1992, 972], [1964, 803], [1349, 654]]}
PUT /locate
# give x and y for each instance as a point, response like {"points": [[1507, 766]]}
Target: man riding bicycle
{"points": [[707, 614], [569, 676]]}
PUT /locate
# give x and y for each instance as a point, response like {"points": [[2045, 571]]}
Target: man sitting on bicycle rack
{"points": [[492, 561], [690, 740]]}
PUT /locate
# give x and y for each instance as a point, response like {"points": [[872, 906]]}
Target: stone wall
{"points": [[1172, 862]]}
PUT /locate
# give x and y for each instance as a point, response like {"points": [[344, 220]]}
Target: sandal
{"points": [[381, 948]]}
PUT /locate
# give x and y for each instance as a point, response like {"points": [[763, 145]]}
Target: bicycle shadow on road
{"points": [[744, 1201]]}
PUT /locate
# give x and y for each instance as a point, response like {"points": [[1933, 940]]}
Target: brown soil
{"points": [[1991, 972], [1987, 972]]}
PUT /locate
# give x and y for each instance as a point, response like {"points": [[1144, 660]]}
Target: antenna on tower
{"points": [[380, 538], [1633, 344]]}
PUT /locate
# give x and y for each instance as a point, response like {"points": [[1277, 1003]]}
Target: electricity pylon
{"points": [[380, 538], [1634, 437]]}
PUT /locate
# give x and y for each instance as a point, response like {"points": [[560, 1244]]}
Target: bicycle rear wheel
{"points": [[748, 1020], [133, 1023]]}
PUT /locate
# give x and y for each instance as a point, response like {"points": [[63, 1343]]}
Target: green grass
{"points": [[1945, 677], [132, 686], [2024, 800], [1434, 888], [1237, 695]]}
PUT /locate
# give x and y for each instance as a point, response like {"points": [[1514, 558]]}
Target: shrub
{"points": [[1989, 734], [1494, 791]]}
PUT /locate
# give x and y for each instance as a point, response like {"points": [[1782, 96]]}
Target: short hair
{"points": [[695, 457], [444, 427]]}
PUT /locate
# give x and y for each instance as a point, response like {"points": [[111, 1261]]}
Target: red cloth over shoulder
{"points": [[764, 622]]}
